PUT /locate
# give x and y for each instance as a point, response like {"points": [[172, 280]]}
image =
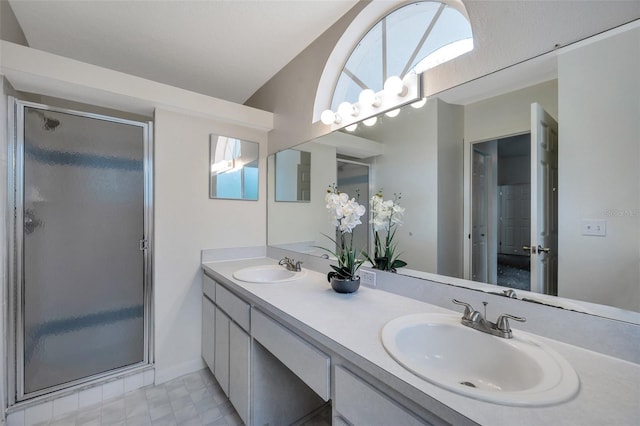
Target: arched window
{"points": [[412, 38]]}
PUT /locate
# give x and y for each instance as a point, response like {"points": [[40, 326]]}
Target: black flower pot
{"points": [[340, 285]]}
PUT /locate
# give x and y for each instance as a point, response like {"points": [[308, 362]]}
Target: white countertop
{"points": [[350, 325]]}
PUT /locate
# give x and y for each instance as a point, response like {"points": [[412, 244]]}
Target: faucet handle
{"points": [[503, 322], [298, 267], [468, 309], [510, 293]]}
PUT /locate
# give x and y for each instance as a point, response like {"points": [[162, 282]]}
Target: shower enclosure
{"points": [[80, 260]]}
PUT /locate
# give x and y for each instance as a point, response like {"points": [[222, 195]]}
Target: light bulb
{"points": [[368, 97], [328, 117], [395, 86], [392, 113], [370, 121], [352, 128], [345, 109], [420, 103]]}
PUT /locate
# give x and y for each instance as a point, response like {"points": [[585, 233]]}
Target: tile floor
{"points": [[195, 399]]}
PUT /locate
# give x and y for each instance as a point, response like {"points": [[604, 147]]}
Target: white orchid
{"points": [[344, 214], [385, 216]]}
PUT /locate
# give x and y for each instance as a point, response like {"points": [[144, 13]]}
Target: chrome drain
{"points": [[471, 385]]}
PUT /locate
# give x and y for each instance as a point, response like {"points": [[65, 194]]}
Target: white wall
{"points": [[410, 166], [508, 114], [450, 149], [186, 221], [297, 222], [599, 153]]}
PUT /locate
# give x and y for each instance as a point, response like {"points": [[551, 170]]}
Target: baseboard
{"points": [[169, 373]]}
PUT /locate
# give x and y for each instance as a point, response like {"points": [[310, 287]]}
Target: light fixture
{"points": [[420, 103], [329, 117], [395, 86], [392, 113], [352, 128], [345, 109], [396, 93], [370, 121], [369, 98]]}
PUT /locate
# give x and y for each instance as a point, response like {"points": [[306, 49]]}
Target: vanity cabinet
{"points": [[360, 403], [221, 363], [307, 362], [239, 368], [226, 343], [208, 331], [275, 374]]}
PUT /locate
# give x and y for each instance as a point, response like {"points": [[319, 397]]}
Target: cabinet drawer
{"points": [[362, 404], [236, 308], [307, 362], [209, 287]]}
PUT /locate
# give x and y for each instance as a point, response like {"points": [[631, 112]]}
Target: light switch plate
{"points": [[593, 227]]}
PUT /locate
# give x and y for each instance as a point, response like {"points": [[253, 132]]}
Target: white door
{"points": [[515, 218], [479, 217], [544, 201]]}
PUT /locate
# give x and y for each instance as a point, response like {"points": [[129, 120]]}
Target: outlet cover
{"points": [[593, 227], [367, 278]]}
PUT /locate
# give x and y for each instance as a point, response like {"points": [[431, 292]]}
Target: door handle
{"points": [[531, 250], [543, 249]]}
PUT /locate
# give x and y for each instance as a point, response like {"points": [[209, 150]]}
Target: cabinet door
{"points": [[208, 331], [362, 404], [239, 344], [221, 362]]}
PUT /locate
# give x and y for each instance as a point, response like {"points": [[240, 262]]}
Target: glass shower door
{"points": [[81, 301]]}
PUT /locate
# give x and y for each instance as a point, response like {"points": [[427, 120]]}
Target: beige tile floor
{"points": [[192, 400]]}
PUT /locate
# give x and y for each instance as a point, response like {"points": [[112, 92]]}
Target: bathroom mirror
{"points": [[293, 175], [427, 154], [233, 168]]}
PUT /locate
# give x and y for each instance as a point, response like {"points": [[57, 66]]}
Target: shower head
{"points": [[50, 123]]}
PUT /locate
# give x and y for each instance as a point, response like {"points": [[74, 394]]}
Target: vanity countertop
{"points": [[350, 325]]}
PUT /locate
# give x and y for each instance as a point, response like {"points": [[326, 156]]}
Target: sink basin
{"points": [[518, 371], [267, 274]]}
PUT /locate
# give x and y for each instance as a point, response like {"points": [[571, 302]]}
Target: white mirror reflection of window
{"points": [[233, 168]]}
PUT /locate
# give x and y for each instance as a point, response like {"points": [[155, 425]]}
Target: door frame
{"points": [[14, 327], [467, 200]]}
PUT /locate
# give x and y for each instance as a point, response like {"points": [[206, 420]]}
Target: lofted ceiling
{"points": [[229, 49], [223, 48]]}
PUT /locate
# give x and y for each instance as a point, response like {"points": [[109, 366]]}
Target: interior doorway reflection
{"points": [[501, 220]]}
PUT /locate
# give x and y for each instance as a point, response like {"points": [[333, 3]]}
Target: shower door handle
{"points": [[543, 249], [30, 222]]}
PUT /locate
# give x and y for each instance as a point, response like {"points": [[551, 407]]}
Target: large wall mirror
{"points": [[233, 168], [563, 126]]}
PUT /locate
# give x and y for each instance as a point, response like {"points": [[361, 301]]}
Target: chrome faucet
{"points": [[474, 319], [510, 293], [291, 264]]}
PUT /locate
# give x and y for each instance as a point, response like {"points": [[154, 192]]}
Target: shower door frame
{"points": [[15, 249]]}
